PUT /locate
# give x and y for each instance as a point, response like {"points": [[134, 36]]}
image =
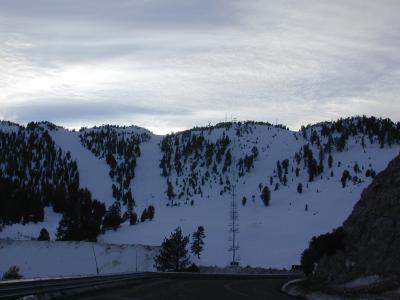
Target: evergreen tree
{"points": [[370, 173], [129, 201], [345, 176], [300, 188], [12, 274], [150, 212], [228, 161], [341, 142], [356, 168], [285, 165], [323, 245], [112, 218], [173, 255], [254, 151], [170, 191], [330, 161], [67, 229], [284, 180], [197, 241], [266, 195], [133, 218], [279, 170], [144, 215], [312, 169], [82, 219], [44, 235]]}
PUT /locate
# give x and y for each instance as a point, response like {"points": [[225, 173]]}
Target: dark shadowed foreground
{"points": [[197, 289]]}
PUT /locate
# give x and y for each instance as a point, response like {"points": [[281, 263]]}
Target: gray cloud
{"points": [[68, 111], [175, 64]]}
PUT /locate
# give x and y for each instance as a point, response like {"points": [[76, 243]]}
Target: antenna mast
{"points": [[234, 217]]}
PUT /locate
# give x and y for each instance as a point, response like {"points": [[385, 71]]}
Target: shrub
{"points": [[12, 274], [325, 244], [193, 269]]}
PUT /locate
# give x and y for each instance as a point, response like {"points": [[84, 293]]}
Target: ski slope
{"points": [[272, 236], [93, 172]]}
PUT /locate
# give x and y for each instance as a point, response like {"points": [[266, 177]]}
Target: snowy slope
{"points": [[93, 172], [6, 126], [45, 259], [272, 236], [31, 231], [148, 185]]}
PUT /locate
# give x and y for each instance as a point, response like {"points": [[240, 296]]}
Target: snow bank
{"points": [[363, 281], [48, 259]]}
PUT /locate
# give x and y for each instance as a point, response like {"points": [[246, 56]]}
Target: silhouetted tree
{"points": [[173, 255], [266, 195], [197, 241], [300, 188], [44, 235]]}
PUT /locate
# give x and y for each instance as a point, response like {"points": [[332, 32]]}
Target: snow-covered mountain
{"points": [[188, 177]]}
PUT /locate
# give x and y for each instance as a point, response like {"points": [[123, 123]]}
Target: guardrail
{"points": [[57, 287]]}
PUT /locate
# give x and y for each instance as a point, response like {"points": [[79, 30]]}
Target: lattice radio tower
{"points": [[234, 217]]}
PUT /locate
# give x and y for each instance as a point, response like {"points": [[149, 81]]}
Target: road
{"points": [[196, 289]]}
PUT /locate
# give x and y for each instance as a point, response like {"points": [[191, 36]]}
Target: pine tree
{"points": [[12, 274], [170, 191], [345, 177], [266, 195], [284, 180], [112, 218], [300, 188], [285, 165], [312, 169], [130, 202], [197, 241], [133, 218], [279, 170], [44, 235], [341, 142], [356, 168], [67, 229], [144, 215], [173, 255], [330, 161], [150, 212]]}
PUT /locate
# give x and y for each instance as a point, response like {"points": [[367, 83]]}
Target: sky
{"points": [[173, 64]]}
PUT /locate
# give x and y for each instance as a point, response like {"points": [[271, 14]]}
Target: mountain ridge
{"points": [[261, 155]]}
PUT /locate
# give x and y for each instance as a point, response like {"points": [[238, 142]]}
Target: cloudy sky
{"points": [[173, 64]]}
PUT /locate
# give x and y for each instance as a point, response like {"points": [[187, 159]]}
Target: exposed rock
{"points": [[372, 242]]}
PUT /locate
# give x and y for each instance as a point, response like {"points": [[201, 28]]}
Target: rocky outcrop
{"points": [[372, 242]]}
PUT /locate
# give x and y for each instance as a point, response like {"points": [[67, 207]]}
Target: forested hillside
{"points": [[289, 185], [34, 174]]}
